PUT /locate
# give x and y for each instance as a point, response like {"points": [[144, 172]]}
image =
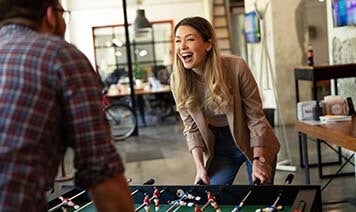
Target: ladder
{"points": [[221, 21]]}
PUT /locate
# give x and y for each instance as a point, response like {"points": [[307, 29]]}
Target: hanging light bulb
{"points": [[141, 25], [117, 42], [142, 53]]}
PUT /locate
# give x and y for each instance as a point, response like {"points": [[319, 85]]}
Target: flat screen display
{"points": [[252, 28], [344, 12]]}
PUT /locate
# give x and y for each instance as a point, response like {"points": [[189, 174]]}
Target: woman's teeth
{"points": [[186, 56]]}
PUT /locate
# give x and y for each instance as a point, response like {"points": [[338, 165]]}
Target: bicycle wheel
{"points": [[122, 120]]}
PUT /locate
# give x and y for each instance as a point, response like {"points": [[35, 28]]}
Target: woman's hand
{"points": [[202, 174], [202, 177], [261, 170]]}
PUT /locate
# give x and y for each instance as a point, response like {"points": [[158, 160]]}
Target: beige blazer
{"points": [[247, 121]]}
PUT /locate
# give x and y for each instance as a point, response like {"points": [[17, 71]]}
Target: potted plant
{"points": [[139, 75]]}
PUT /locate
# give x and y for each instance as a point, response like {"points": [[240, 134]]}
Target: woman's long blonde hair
{"points": [[215, 75]]}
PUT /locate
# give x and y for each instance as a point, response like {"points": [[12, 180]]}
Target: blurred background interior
{"points": [[130, 43]]}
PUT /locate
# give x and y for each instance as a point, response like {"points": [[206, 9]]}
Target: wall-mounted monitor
{"points": [[344, 12], [252, 28]]}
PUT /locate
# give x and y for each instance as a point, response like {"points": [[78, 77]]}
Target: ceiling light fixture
{"points": [[117, 42], [141, 24]]}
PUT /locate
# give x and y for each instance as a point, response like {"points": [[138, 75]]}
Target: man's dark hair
{"points": [[32, 10]]}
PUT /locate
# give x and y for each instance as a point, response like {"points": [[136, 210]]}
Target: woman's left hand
{"points": [[261, 170]]}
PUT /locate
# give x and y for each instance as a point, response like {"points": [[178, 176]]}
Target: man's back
{"points": [[49, 100]]}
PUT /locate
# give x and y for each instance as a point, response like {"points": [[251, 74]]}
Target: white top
{"points": [[211, 117]]}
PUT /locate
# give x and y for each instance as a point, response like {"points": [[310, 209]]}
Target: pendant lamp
{"points": [[141, 24]]}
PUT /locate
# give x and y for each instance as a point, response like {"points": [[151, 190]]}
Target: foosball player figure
{"points": [[212, 200], [181, 202], [156, 195], [68, 202], [184, 203], [146, 202], [186, 195], [197, 209], [270, 209]]}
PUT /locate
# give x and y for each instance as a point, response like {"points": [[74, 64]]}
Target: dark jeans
{"points": [[227, 158]]}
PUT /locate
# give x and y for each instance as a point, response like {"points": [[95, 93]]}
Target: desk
{"points": [[139, 93], [125, 92], [342, 134], [315, 74]]}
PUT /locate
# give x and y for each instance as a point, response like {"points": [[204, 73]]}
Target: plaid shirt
{"points": [[50, 100]]}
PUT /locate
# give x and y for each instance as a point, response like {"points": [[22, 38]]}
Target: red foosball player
{"points": [[68, 202], [156, 195], [212, 200], [146, 201], [197, 209]]}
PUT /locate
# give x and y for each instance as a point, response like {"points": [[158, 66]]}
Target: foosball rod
{"points": [[82, 192], [174, 205], [84, 206], [62, 203], [274, 207], [208, 202], [160, 192], [242, 203], [181, 199], [288, 180], [143, 204], [205, 205], [239, 206], [187, 204], [148, 182], [177, 208]]}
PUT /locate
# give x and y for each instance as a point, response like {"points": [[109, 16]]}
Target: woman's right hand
{"points": [[202, 174], [202, 177]]}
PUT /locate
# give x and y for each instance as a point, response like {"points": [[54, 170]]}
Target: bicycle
{"points": [[121, 117]]}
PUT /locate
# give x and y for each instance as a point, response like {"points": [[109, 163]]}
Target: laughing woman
{"points": [[219, 103]]}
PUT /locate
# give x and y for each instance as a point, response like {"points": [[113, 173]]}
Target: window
{"points": [[148, 51]]}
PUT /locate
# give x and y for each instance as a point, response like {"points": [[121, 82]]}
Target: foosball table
{"points": [[197, 198]]}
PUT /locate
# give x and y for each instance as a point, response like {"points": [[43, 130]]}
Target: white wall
{"points": [[285, 53], [89, 13], [319, 22], [288, 54]]}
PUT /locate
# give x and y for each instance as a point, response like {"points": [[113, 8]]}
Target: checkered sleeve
{"points": [[88, 131]]}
